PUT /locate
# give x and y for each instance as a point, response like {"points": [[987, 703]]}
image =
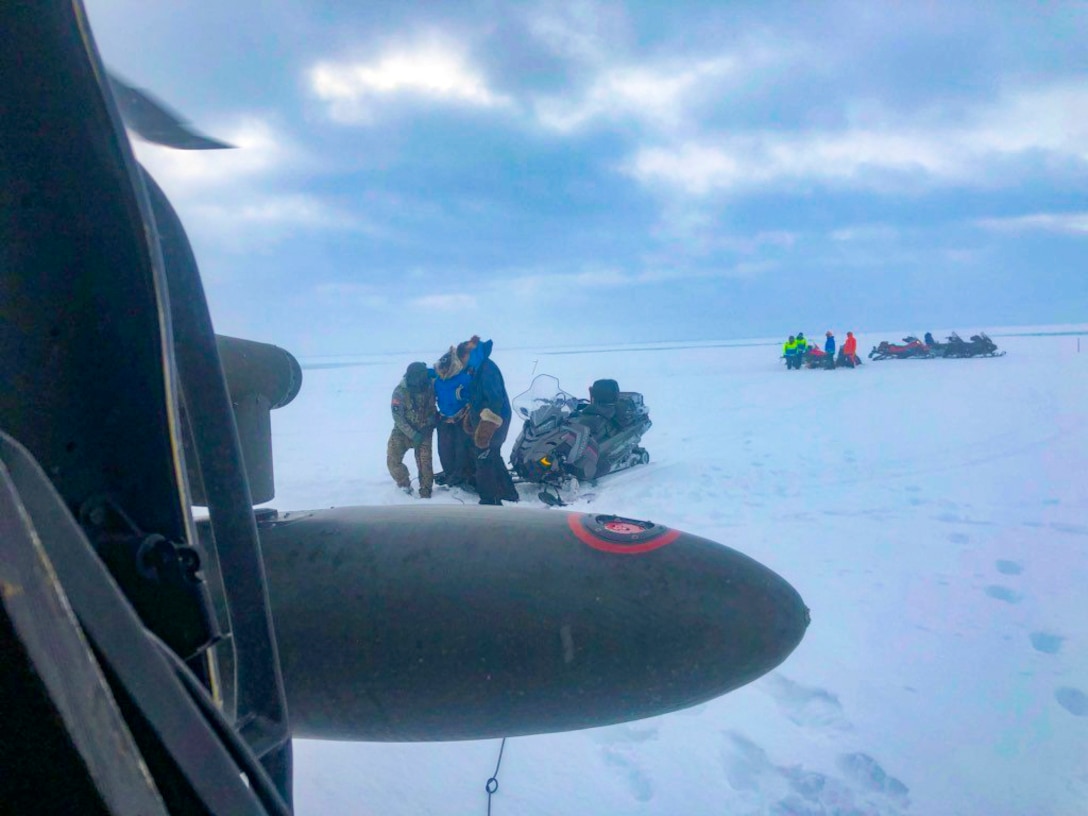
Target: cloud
{"points": [[617, 79], [878, 233], [559, 285], [1070, 223], [658, 96], [531, 284], [354, 294], [297, 210], [884, 155], [444, 303], [437, 71], [234, 197], [582, 31]]}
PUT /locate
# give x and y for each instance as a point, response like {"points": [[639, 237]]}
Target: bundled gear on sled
{"points": [[567, 440]]}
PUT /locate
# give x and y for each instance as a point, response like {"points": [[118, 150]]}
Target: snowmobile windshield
{"points": [[543, 396]]}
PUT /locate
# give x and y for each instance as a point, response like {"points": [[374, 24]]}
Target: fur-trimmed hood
{"points": [[449, 365]]}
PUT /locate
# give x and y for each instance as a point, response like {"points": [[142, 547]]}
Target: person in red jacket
{"points": [[850, 351]]}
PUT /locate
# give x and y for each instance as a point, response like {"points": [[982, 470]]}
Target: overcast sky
{"points": [[409, 173]]}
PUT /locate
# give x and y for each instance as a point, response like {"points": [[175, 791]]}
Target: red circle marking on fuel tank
{"points": [[620, 529]]}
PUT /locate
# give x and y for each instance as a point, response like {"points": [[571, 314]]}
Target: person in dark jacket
{"points": [[488, 422], [829, 350], [413, 423], [455, 452]]}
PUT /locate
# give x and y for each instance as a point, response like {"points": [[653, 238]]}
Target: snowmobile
{"points": [[980, 345], [816, 357], [841, 360], [566, 440], [912, 348]]}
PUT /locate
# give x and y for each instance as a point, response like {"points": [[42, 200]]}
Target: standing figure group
{"points": [[464, 397], [794, 350], [798, 351]]}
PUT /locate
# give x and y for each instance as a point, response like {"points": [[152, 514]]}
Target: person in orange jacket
{"points": [[849, 351]]}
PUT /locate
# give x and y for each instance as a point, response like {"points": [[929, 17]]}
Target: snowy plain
{"points": [[932, 513]]}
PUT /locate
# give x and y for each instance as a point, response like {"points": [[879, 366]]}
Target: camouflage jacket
{"points": [[413, 411]]}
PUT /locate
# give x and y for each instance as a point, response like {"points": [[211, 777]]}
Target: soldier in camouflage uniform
{"points": [[414, 418]]}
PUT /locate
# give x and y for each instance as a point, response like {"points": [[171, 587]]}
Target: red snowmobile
{"points": [[911, 347], [816, 357]]}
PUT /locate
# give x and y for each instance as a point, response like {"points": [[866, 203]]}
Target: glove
{"points": [[489, 423], [466, 423], [417, 437], [484, 431]]}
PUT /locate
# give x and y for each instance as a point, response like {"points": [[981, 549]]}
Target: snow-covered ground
{"points": [[932, 513]]}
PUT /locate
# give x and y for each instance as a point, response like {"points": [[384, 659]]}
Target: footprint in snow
{"points": [[1005, 594], [1072, 700], [1009, 567], [959, 538], [865, 772], [618, 747], [636, 779], [1071, 529], [1046, 642], [953, 518], [626, 734], [864, 788], [744, 762], [807, 706]]}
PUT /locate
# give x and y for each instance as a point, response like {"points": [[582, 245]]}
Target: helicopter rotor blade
{"points": [[156, 123]]}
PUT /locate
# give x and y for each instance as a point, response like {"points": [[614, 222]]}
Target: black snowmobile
{"points": [[567, 440], [980, 345]]}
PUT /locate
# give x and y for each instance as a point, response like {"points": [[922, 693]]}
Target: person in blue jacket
{"points": [[452, 378], [829, 349], [488, 422]]}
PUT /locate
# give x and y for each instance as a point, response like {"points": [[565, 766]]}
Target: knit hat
{"points": [[416, 377]]}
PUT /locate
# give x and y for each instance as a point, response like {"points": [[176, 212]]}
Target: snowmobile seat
{"points": [[604, 392]]}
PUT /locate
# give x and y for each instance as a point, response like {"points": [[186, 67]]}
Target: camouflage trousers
{"points": [[399, 444]]}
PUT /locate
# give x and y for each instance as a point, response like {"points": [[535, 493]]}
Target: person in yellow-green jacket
{"points": [[802, 349], [789, 351]]}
